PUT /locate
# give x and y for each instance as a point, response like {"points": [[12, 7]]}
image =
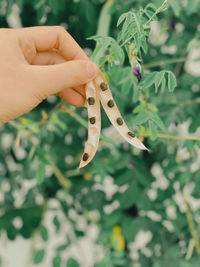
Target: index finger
{"points": [[46, 38]]}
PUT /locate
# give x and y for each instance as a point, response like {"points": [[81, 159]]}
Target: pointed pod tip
{"points": [[80, 166], [137, 143]]}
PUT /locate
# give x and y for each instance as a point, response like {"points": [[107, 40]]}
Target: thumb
{"points": [[52, 79]]}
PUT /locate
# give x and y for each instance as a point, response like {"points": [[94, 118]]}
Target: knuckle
{"points": [[60, 29]]}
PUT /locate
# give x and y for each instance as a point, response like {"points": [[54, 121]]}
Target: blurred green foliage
{"points": [[44, 165]]}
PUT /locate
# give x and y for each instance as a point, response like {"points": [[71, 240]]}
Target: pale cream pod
{"points": [[94, 125], [110, 107], [95, 91]]}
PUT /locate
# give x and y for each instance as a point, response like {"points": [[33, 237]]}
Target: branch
{"points": [[61, 178], [173, 137], [130, 37], [156, 12], [176, 137], [192, 229], [164, 62]]}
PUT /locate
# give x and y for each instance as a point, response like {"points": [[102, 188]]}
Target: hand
{"points": [[37, 62]]}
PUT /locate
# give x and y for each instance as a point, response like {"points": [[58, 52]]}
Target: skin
{"points": [[38, 62]]}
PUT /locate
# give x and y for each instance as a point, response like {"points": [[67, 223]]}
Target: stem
{"points": [[156, 12], [129, 38], [61, 178], [190, 249], [105, 60], [192, 229], [164, 62], [174, 137], [104, 19]]}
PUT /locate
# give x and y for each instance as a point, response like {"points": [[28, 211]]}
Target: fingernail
{"points": [[91, 70]]}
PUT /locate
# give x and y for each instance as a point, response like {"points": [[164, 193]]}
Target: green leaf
{"points": [[72, 263], [130, 196], [122, 18], [153, 130], [56, 222], [98, 50], [171, 81], [40, 174], [102, 44], [105, 262], [117, 52], [128, 26], [176, 6], [149, 79], [158, 79], [38, 256], [163, 85], [144, 45], [57, 121], [192, 7], [27, 123], [57, 261], [152, 107], [136, 95], [155, 118], [140, 118], [126, 86], [150, 6], [139, 108], [31, 153], [44, 233]]}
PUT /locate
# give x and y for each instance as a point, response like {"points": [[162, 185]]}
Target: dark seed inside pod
{"points": [[110, 103], [119, 121], [91, 100], [131, 134], [103, 86], [85, 156], [92, 120]]}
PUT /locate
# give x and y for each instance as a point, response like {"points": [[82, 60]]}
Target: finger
{"points": [[48, 58], [51, 58], [72, 97], [45, 38], [80, 89], [47, 80]]}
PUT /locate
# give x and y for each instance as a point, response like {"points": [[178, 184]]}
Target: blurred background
{"points": [[127, 207]]}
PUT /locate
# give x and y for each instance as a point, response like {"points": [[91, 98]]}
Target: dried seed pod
{"points": [[93, 95], [110, 103], [94, 127], [113, 113]]}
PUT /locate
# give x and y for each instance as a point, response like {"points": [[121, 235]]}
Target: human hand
{"points": [[37, 62]]}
